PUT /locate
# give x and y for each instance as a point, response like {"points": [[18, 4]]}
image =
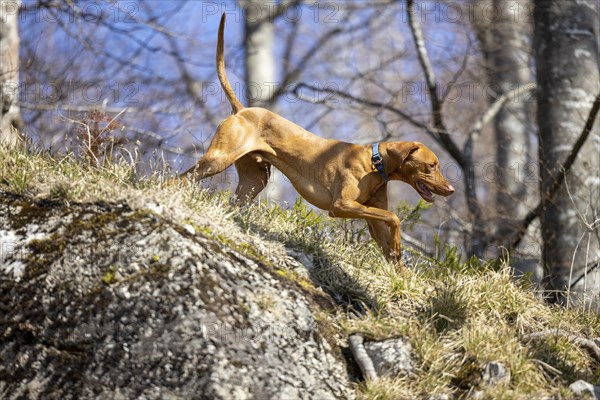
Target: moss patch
{"points": [[42, 253]]}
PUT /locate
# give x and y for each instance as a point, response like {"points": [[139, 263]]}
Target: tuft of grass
{"points": [[109, 276], [458, 315]]}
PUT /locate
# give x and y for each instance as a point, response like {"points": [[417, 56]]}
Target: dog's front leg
{"points": [[382, 221], [380, 232], [396, 250]]}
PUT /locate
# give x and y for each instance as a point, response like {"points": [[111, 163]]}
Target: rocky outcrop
{"points": [[102, 301], [584, 389]]}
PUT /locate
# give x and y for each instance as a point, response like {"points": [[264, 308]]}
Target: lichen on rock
{"points": [[102, 301]]}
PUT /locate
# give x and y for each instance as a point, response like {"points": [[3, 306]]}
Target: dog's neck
{"points": [[390, 163]]}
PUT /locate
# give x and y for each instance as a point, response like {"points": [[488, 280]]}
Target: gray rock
{"points": [[495, 373], [101, 301], [391, 357], [583, 388], [305, 259], [439, 396]]}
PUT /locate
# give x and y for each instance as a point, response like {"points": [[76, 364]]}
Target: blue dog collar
{"points": [[377, 161]]}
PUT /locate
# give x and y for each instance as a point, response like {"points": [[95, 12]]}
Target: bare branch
{"points": [[112, 120], [158, 138], [463, 66], [495, 108], [150, 22], [586, 270], [463, 160], [290, 44], [557, 181], [280, 10], [293, 74], [88, 142], [419, 40], [436, 103], [370, 103], [101, 107], [189, 82], [475, 132]]}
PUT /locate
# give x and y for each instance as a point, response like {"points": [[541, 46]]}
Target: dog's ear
{"points": [[401, 150]]}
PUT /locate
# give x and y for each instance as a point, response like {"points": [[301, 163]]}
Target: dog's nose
{"points": [[450, 188]]}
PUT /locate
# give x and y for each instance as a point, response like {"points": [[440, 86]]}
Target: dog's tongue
{"points": [[424, 189], [424, 192]]}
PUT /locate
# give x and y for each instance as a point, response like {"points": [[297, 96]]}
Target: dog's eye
{"points": [[432, 166]]}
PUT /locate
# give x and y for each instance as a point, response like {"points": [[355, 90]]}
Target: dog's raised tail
{"points": [[236, 106]]}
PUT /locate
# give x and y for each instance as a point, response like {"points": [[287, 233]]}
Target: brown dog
{"points": [[346, 179]]}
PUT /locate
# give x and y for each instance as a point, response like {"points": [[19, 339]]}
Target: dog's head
{"points": [[420, 168]]}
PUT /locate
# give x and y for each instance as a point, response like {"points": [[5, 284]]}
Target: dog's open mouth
{"points": [[424, 191]]}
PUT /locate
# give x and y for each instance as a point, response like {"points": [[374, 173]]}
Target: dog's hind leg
{"points": [[253, 174], [231, 142]]}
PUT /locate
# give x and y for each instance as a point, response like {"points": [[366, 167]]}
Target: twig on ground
{"points": [[362, 358], [587, 344]]}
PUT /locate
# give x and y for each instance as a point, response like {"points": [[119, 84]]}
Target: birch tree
{"points": [[259, 42], [9, 71], [503, 37], [261, 76], [566, 50]]}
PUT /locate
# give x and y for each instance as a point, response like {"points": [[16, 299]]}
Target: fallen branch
{"points": [[362, 358], [547, 367], [587, 344]]}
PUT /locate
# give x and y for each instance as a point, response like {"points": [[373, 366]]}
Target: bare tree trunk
{"points": [[260, 63], [566, 49], [260, 67], [9, 71], [504, 42]]}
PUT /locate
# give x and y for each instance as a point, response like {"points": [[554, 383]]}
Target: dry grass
{"points": [[457, 315]]}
